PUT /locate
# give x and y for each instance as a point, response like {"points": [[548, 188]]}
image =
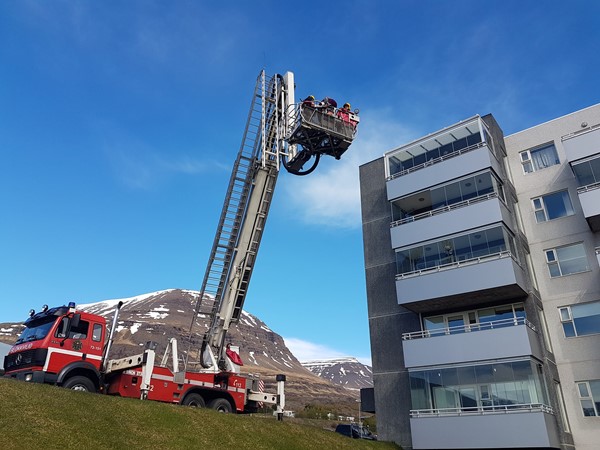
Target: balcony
{"points": [[462, 284], [455, 151], [589, 197], [472, 213], [514, 426], [582, 149], [582, 144], [506, 338]]}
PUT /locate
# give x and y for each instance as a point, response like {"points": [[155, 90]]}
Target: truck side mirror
{"points": [[75, 320]]}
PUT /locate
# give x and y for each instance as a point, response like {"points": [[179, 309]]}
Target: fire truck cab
{"points": [[59, 346]]}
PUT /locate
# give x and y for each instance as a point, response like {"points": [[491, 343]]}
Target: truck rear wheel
{"points": [[221, 405], [80, 383], [194, 400]]}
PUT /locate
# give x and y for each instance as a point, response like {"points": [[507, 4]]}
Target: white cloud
{"points": [[331, 196], [307, 351]]}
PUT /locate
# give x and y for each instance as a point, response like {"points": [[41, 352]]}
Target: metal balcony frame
{"points": [[482, 326], [482, 410]]}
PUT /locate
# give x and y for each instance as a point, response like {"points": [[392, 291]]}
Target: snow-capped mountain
{"points": [[159, 316], [347, 372]]}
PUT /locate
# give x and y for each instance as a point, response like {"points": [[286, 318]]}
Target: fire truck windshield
{"points": [[37, 329]]}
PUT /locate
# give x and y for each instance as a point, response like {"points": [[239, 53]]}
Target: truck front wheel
{"points": [[221, 405], [79, 383]]}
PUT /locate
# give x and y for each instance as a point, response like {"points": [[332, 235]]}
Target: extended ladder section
{"points": [[244, 214], [277, 131]]}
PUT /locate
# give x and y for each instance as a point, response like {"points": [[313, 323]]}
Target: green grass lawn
{"points": [[48, 417]]}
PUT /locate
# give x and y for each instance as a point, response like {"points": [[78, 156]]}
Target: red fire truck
{"points": [[69, 348], [66, 347]]}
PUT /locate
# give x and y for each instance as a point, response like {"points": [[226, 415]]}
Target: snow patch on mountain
{"points": [[348, 372], [106, 307]]}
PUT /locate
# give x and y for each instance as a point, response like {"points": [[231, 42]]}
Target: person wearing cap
{"points": [[344, 113], [329, 105], [309, 101]]}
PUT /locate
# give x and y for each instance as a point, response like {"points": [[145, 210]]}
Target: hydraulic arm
{"points": [[278, 132]]}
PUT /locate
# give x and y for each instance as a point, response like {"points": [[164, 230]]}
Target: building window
{"points": [[566, 260], [486, 387], [589, 396], [479, 244], [587, 172], [539, 158], [580, 320], [447, 196], [552, 206], [452, 142], [475, 320]]}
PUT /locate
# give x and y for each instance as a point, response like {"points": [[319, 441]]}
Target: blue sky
{"points": [[120, 121]]}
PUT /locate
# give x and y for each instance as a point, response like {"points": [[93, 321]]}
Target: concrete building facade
{"points": [[483, 286]]}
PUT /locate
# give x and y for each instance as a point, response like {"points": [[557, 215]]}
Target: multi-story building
{"points": [[483, 286]]}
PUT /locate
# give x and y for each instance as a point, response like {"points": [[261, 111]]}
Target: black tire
{"points": [[194, 400], [221, 405], [80, 383]]}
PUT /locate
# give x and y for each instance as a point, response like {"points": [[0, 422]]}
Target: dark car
{"points": [[355, 431]]}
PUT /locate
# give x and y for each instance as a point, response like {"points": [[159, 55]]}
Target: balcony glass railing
{"points": [[588, 187], [443, 209], [580, 132], [452, 141], [503, 323], [482, 410], [496, 387], [587, 173], [455, 264], [400, 169]]}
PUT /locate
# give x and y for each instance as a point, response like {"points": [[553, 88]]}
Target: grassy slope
{"points": [[41, 416]]}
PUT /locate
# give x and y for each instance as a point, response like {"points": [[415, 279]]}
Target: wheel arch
{"points": [[79, 368]]}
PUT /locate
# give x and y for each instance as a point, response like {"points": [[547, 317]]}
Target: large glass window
{"points": [[552, 206], [587, 172], [477, 244], [435, 149], [589, 396], [539, 158], [566, 260], [486, 387], [421, 204], [580, 320]]}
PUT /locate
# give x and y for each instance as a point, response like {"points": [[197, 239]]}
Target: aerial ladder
{"points": [[56, 347], [279, 132]]}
